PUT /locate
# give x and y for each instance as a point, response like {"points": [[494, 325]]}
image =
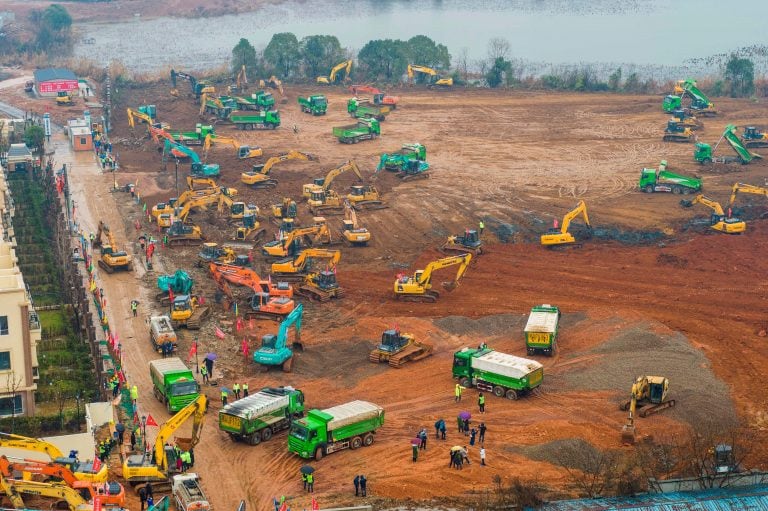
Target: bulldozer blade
{"points": [[628, 434]]}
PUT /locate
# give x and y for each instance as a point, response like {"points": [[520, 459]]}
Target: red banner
{"points": [[151, 420], [315, 505]]}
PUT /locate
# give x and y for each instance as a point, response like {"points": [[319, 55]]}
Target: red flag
{"points": [[315, 505], [170, 294], [192, 350], [245, 347], [219, 333], [96, 464], [150, 420], [239, 324], [283, 507]]}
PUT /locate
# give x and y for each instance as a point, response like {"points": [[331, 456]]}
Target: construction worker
{"points": [[304, 480], [186, 461], [481, 402], [481, 227], [134, 307], [204, 372], [311, 483], [457, 392], [224, 395], [245, 389], [236, 390], [134, 395]]}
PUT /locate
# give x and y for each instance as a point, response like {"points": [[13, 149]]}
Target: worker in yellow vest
{"points": [[245, 389], [236, 390]]}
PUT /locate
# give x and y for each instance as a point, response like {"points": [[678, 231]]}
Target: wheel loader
{"points": [[399, 348]]}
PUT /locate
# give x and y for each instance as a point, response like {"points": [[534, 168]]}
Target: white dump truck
{"points": [[188, 493], [161, 331]]}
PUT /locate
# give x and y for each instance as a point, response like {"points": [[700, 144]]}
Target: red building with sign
{"points": [[48, 82]]}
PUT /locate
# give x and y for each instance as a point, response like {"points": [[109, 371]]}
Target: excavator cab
{"points": [[182, 308], [63, 98], [392, 341], [325, 280]]}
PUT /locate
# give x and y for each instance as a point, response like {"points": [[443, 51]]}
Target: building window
{"points": [[11, 405], [82, 140], [5, 360], [3, 325]]}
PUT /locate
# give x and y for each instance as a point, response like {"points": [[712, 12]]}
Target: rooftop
{"points": [[45, 75]]}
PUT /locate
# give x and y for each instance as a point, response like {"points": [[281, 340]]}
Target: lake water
{"points": [[643, 32]]}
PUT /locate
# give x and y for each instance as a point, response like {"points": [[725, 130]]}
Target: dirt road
{"points": [[689, 303]]}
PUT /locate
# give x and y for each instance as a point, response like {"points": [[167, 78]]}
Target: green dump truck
{"points": [[316, 104], [541, 329], [255, 120], [347, 426], [196, 137], [254, 419], [259, 100], [662, 180], [364, 129], [365, 110], [493, 371], [173, 383]]}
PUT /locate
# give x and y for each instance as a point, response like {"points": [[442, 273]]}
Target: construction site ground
{"points": [[654, 291]]}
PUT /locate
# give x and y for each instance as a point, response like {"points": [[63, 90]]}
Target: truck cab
{"points": [[309, 434]]}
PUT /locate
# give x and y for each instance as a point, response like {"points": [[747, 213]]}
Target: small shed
{"points": [[19, 158], [48, 82], [80, 135]]}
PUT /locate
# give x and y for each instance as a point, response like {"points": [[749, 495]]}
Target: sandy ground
{"points": [[653, 292]]}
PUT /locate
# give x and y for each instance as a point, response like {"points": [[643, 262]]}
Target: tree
{"points": [[34, 138], [614, 81], [497, 74], [740, 73], [282, 53], [462, 63], [424, 52], [54, 26], [244, 54], [57, 18], [320, 53], [384, 58], [498, 47]]}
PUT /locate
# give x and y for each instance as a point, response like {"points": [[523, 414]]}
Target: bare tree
{"points": [[592, 471], [714, 455], [498, 47], [462, 62]]}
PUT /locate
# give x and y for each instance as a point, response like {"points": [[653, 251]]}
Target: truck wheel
{"points": [[676, 190], [649, 189], [255, 438], [465, 382], [356, 443], [531, 351], [498, 391], [686, 191], [512, 395], [318, 453], [368, 440], [266, 434]]}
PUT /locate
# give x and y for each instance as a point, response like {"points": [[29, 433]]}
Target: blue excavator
{"points": [[274, 350], [198, 169]]}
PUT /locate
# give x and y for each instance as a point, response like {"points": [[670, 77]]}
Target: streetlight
{"points": [[78, 398], [144, 431]]}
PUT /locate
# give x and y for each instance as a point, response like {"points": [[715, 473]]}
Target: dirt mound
{"points": [[498, 324], [701, 397], [551, 451]]}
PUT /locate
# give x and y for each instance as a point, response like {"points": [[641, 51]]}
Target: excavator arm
{"points": [[30, 444], [197, 409], [187, 151], [13, 487], [291, 155], [745, 188], [293, 319], [461, 260], [580, 209], [7, 468], [715, 206], [349, 165]]}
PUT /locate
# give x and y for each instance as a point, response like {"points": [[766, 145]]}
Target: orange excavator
{"points": [[262, 304], [241, 276], [109, 493]]}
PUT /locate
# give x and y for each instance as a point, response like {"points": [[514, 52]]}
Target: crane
{"points": [[333, 76], [243, 151], [435, 79], [561, 237], [274, 350], [198, 169], [82, 471], [418, 288], [114, 496], [258, 177], [355, 234], [745, 188], [718, 220], [645, 389], [296, 268], [158, 465]]}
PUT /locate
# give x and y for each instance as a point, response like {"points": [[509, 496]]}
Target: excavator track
{"points": [[756, 143], [180, 241], [368, 205], [428, 297], [317, 294], [274, 316], [104, 266], [412, 177], [447, 249], [411, 353], [651, 410], [193, 323], [375, 356], [289, 277], [326, 210], [262, 185], [678, 138]]}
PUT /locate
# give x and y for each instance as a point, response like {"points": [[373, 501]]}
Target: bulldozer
{"points": [[180, 234], [63, 98], [718, 219], [418, 288], [212, 252], [676, 131], [353, 233], [399, 348], [112, 258], [467, 243], [321, 286], [561, 237], [186, 311], [753, 137], [365, 197], [250, 229], [649, 394]]}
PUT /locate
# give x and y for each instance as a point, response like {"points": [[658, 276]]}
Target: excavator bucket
{"points": [[450, 286], [628, 434]]}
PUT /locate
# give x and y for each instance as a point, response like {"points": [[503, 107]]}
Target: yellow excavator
{"points": [[240, 82], [166, 208], [200, 183], [12, 488], [435, 79], [646, 390], [353, 233], [718, 220], [135, 114], [159, 465], [332, 78], [243, 151], [273, 82], [83, 471], [202, 203], [324, 200], [366, 197], [112, 258], [418, 288], [250, 228], [289, 244], [561, 237], [236, 210], [286, 210], [259, 176], [294, 269], [745, 188], [186, 311]]}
